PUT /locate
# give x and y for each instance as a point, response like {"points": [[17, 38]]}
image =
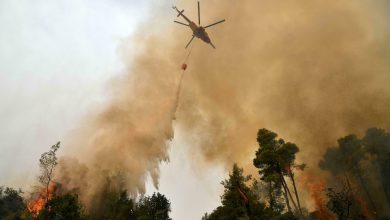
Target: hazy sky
{"points": [[55, 60]]}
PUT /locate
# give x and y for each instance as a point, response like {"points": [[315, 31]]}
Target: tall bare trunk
{"points": [[286, 198], [295, 188], [288, 191]]}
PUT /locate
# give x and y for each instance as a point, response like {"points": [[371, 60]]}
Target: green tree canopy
{"points": [[238, 200], [62, 207], [275, 159], [11, 203], [155, 207]]}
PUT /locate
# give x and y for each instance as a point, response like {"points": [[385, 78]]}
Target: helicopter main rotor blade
{"points": [[181, 23], [198, 13], [215, 23], [193, 36]]}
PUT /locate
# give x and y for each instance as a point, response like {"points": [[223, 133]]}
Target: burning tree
{"points": [[47, 164], [63, 207], [365, 163], [41, 200], [345, 161], [340, 202]]}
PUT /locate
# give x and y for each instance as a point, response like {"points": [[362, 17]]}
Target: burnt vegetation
{"points": [[356, 186]]}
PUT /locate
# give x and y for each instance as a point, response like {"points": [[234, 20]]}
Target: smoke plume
{"points": [[310, 70]]}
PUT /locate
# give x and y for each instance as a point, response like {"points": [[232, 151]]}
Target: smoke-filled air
{"points": [[312, 71]]}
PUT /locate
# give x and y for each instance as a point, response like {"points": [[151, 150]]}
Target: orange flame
{"points": [[316, 187], [366, 210], [36, 205]]}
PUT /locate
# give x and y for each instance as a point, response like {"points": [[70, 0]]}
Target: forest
{"points": [[356, 186]]}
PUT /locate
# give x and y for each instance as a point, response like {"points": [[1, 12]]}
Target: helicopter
{"points": [[197, 30]]}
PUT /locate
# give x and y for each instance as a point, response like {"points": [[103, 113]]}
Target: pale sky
{"points": [[56, 58]]}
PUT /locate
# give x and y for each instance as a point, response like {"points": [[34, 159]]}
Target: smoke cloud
{"points": [[312, 71]]}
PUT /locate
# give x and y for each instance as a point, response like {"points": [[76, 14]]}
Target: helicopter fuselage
{"points": [[197, 31]]}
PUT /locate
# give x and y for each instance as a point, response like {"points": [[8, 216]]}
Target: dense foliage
{"points": [[358, 187], [62, 208], [11, 203], [275, 160], [155, 207], [242, 202]]}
